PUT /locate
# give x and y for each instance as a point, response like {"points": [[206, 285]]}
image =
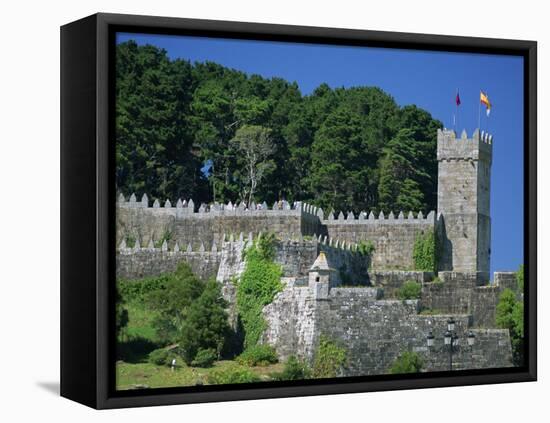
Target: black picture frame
{"points": [[88, 205]]}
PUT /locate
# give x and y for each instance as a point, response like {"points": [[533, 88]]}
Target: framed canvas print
{"points": [[255, 211]]}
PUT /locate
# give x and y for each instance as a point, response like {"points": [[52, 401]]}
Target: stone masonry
{"points": [[346, 295]]}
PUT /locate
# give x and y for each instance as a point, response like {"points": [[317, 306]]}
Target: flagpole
{"points": [[456, 102], [479, 115]]}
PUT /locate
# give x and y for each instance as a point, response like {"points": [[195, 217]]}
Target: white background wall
{"points": [[29, 239]]}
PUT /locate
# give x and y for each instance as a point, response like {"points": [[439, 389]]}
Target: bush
{"points": [[407, 362], [258, 355], [205, 358], [410, 290], [258, 285], [437, 281], [162, 357], [425, 252], [139, 289], [510, 315], [329, 360], [365, 248], [294, 370], [233, 374]]}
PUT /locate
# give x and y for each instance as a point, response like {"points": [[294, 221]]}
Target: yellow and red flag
{"points": [[484, 99]]}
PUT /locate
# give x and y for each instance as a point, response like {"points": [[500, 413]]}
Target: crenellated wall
{"points": [[225, 261], [392, 236], [184, 224]]}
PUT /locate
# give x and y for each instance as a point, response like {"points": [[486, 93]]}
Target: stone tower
{"points": [[463, 201]]}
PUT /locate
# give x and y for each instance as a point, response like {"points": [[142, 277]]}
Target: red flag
{"points": [[457, 99]]}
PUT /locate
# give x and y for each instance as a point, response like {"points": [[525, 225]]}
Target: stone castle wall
{"points": [[226, 261], [185, 225], [144, 263], [375, 331], [392, 236], [461, 293]]}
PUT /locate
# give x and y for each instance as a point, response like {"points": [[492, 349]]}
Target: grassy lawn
{"points": [[132, 375]]}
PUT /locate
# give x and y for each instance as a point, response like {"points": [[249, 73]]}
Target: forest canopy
{"points": [[207, 132]]}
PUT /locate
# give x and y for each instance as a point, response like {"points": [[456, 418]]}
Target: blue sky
{"points": [[427, 79]]}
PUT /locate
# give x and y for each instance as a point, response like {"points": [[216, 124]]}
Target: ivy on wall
{"points": [[257, 287], [425, 252]]}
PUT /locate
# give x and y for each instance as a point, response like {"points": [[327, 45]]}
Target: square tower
{"points": [[463, 201]]}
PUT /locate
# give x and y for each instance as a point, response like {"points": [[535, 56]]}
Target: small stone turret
{"points": [[320, 277], [463, 201]]}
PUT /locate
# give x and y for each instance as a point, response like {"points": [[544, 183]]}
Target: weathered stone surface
{"points": [[374, 331], [463, 198], [133, 264]]}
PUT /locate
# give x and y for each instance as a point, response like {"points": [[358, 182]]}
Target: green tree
{"points": [[205, 326], [402, 175], [339, 176], [153, 133], [172, 301], [338, 148], [520, 278]]}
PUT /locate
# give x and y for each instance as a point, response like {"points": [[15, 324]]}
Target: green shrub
{"points": [[425, 252], [330, 359], [294, 369], [130, 241], [258, 285], [233, 374], [365, 248], [519, 278], [166, 236], [437, 281], [162, 357], [137, 290], [510, 315], [410, 290], [407, 362], [258, 355], [205, 358]]}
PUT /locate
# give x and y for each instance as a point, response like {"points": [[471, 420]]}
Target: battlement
{"points": [[325, 243], [188, 207], [372, 219], [452, 148]]}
